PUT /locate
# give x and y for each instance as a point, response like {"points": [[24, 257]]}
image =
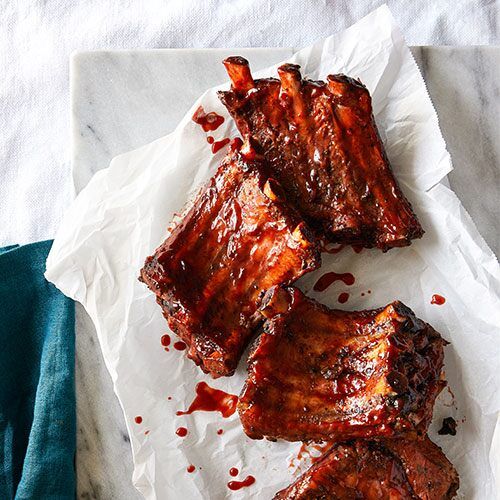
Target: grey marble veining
{"points": [[121, 100], [464, 84]]}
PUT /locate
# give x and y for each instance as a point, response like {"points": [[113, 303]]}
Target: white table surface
{"points": [[121, 100]]}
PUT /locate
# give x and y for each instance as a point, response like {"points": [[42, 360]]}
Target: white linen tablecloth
{"points": [[37, 38]]}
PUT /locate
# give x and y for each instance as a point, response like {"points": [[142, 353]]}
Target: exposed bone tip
{"points": [[238, 69], [290, 68], [235, 60]]}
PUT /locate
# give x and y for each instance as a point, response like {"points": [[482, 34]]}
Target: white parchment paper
{"points": [[123, 213]]}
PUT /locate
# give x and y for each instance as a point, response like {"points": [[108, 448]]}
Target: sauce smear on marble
{"points": [[138, 419], [328, 278], [343, 297], [207, 121], [438, 299], [233, 471], [190, 468], [210, 399], [220, 431], [237, 485]]}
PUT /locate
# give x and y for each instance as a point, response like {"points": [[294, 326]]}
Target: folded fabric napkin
{"points": [[37, 394]]}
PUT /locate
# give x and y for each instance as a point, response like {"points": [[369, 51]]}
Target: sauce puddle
{"points": [[181, 432], [207, 121], [180, 346], [439, 300], [328, 278], [218, 145], [209, 399], [237, 485]]}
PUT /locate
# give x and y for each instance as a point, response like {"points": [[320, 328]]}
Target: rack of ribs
{"points": [[374, 470], [317, 374], [238, 239], [322, 144]]}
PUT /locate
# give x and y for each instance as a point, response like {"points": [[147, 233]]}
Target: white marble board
{"points": [[123, 99]]}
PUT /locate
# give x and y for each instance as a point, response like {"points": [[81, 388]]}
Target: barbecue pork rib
{"points": [[238, 239], [323, 147], [391, 469], [317, 374]]}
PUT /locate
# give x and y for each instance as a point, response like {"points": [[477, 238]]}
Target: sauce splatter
{"points": [[146, 433], [210, 139], [218, 145], [165, 340], [233, 471], [170, 398], [180, 346], [181, 432], [438, 299], [190, 468], [138, 419], [328, 278], [343, 297], [207, 121], [220, 431], [209, 399], [237, 485]]}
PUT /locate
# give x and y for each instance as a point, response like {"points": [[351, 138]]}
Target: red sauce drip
{"points": [[369, 291], [220, 431], [180, 345], [343, 297], [146, 433], [237, 485], [438, 299], [362, 294], [165, 340], [357, 248], [326, 249], [209, 399], [218, 145], [328, 278], [170, 398], [210, 139], [207, 121], [233, 471], [191, 468], [138, 419], [181, 432]]}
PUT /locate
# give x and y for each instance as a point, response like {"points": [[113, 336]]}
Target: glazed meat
{"points": [[238, 239], [322, 144], [371, 470], [317, 374]]}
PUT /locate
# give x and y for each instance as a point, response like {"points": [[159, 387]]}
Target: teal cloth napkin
{"points": [[37, 394]]}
